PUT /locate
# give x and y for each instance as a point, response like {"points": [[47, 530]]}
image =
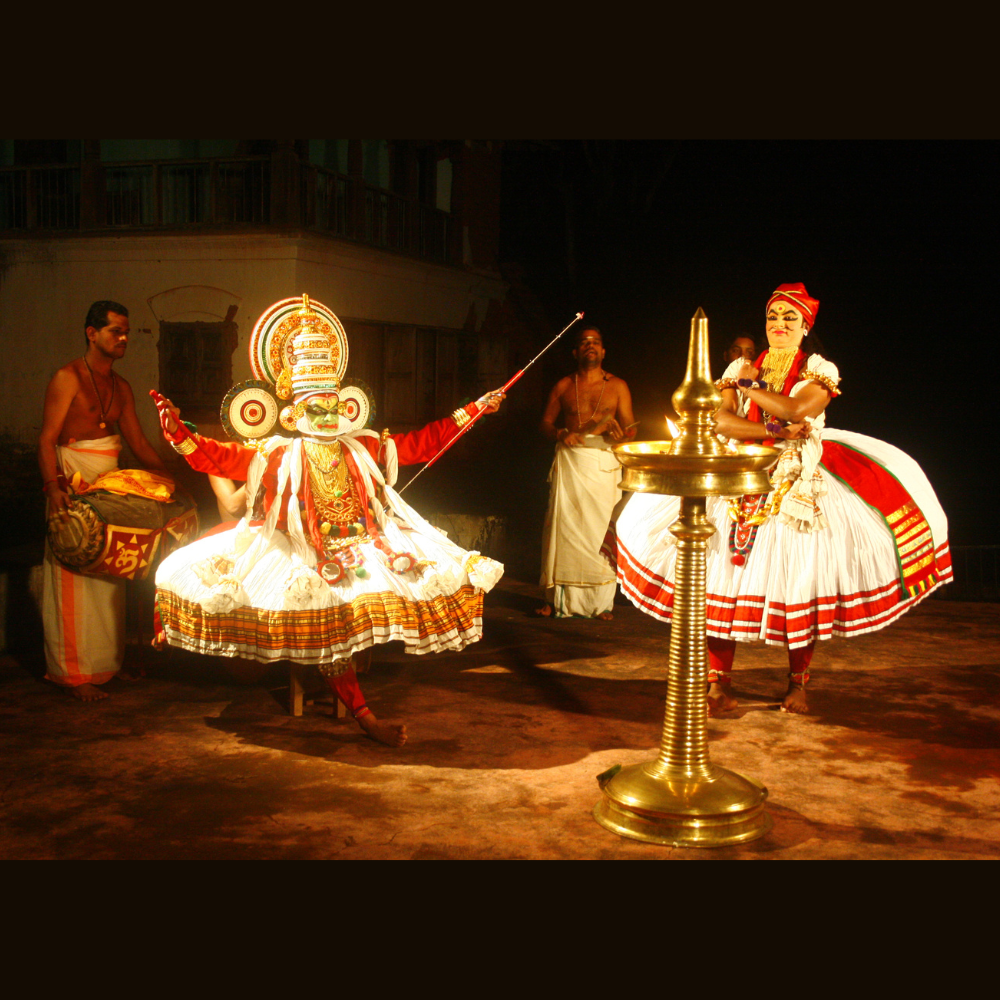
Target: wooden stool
{"points": [[297, 693]]}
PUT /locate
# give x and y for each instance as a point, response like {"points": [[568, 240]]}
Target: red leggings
{"points": [[720, 662], [345, 687]]}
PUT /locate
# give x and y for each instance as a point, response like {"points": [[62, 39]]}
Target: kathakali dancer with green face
{"points": [[850, 536], [329, 560]]}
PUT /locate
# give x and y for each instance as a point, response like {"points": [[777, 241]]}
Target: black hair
{"points": [[97, 315]]}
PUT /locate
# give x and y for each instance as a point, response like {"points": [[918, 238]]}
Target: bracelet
{"points": [[185, 447], [749, 383], [45, 485], [773, 426]]}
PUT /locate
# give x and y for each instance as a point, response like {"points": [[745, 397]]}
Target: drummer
{"points": [[87, 404]]}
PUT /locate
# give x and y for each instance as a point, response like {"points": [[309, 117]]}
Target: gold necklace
{"points": [[579, 415], [777, 364], [111, 398], [334, 494], [774, 371]]}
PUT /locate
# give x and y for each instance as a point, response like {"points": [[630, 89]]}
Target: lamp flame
{"points": [[672, 428]]}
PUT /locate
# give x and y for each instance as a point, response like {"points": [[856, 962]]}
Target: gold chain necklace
{"points": [[774, 371], [111, 398], [333, 490], [579, 415]]}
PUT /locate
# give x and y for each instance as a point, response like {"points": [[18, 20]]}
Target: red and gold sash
{"points": [[885, 494]]}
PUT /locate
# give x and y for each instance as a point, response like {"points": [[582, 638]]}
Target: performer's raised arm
{"points": [[203, 454], [422, 445]]}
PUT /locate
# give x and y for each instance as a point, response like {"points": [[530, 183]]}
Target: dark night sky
{"points": [[897, 240]]}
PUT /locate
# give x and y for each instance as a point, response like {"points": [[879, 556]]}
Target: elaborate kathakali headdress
{"points": [[796, 295], [298, 349]]}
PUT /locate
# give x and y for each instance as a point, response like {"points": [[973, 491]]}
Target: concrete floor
{"points": [[900, 759]]}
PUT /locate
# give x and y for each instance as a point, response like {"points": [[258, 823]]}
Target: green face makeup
{"points": [[323, 415]]}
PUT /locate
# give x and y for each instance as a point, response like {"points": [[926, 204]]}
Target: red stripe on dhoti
{"points": [[71, 651], [753, 616]]}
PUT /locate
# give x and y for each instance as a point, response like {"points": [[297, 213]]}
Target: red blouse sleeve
{"points": [[220, 458], [421, 446]]}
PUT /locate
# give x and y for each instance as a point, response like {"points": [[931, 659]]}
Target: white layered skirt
{"points": [[795, 587], [283, 609]]}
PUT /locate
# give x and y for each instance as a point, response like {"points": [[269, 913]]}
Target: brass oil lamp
{"points": [[682, 798]]}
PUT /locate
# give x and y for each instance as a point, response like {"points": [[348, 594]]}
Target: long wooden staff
{"points": [[504, 388]]}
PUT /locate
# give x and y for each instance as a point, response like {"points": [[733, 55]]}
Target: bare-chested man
{"points": [[84, 616], [595, 409]]}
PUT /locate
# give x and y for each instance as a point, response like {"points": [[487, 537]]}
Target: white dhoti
{"points": [[84, 616], [583, 493]]}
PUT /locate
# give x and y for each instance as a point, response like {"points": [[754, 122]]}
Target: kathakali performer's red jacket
{"points": [[232, 460]]}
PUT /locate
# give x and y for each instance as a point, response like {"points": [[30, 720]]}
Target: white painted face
{"points": [[785, 325], [320, 416]]}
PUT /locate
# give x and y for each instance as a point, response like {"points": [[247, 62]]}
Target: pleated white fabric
{"points": [[254, 591], [583, 493], [795, 586]]}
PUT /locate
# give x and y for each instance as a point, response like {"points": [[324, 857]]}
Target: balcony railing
{"points": [[182, 193], [40, 197], [335, 203]]}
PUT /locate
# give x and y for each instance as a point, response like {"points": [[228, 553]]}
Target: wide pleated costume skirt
{"points": [[436, 607], [794, 587]]}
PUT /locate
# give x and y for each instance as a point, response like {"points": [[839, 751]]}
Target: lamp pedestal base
{"points": [[647, 802]]}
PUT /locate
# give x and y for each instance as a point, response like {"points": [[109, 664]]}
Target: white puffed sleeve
{"points": [[818, 369]]}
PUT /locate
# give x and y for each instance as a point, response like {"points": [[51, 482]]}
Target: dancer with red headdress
{"points": [[850, 536]]}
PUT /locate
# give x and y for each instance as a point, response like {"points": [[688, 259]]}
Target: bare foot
{"points": [[795, 700], [720, 699], [389, 733], [605, 616], [86, 692], [545, 611]]}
